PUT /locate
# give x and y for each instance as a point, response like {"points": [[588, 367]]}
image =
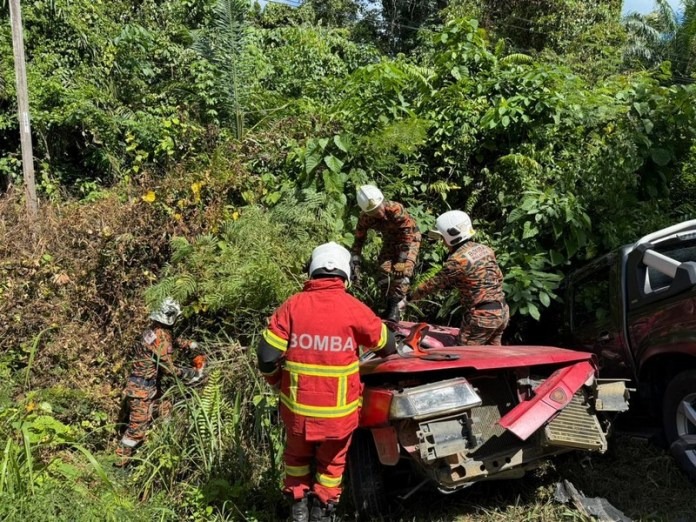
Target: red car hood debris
{"points": [[477, 358]]}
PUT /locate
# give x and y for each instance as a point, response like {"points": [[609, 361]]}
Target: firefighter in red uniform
{"points": [[399, 254], [473, 270], [309, 353], [154, 356]]}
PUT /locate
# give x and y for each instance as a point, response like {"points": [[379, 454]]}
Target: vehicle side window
{"points": [[683, 253], [591, 300]]}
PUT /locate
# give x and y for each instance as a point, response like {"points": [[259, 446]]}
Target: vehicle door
{"points": [[662, 313], [594, 316]]}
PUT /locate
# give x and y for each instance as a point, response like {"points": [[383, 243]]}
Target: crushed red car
{"points": [[450, 416]]}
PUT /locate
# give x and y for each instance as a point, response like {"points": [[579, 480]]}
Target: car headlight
{"points": [[438, 398]]}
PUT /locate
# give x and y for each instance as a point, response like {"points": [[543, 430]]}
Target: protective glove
{"points": [[192, 376], [355, 271], [399, 269], [199, 362], [198, 378]]}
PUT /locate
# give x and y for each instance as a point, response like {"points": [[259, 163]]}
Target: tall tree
{"points": [[686, 39], [535, 25], [223, 44], [651, 37], [402, 20]]}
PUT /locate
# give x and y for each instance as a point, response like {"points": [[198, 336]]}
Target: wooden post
{"points": [[23, 109]]}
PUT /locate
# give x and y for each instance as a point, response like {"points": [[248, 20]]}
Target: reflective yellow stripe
{"points": [[324, 412], [329, 482], [294, 378], [275, 341], [342, 392], [320, 370], [297, 471], [383, 337]]}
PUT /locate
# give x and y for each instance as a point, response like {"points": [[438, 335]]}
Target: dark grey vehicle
{"points": [[635, 308]]}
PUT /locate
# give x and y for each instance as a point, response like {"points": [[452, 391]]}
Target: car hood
{"points": [[474, 357]]}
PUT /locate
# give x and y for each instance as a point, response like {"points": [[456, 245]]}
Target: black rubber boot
{"points": [[322, 512], [393, 313], [300, 510]]}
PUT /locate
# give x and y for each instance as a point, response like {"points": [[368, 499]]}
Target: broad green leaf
{"points": [[340, 143], [556, 257], [571, 245], [311, 162], [660, 156], [334, 164], [516, 214], [333, 183], [528, 204], [529, 231]]}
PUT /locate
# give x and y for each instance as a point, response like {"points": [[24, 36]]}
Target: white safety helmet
{"points": [[330, 259], [369, 198], [167, 312], [454, 227]]}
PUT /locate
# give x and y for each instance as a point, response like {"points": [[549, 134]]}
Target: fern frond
{"points": [[181, 248], [516, 59], [517, 160], [429, 274], [185, 287], [442, 187], [159, 292], [207, 416]]}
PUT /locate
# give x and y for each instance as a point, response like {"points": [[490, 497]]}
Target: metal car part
{"points": [[612, 395], [576, 426], [443, 437]]}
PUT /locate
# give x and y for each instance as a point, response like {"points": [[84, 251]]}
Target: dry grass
{"points": [[71, 289]]}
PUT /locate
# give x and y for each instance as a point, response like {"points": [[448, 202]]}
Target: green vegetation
{"points": [[201, 148]]}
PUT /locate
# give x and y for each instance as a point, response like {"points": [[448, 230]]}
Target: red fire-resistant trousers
{"points": [[329, 458]]}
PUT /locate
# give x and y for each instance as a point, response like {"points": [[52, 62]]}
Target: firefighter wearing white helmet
{"points": [[167, 313], [330, 260], [369, 198], [153, 357], [454, 227], [401, 242], [309, 354], [472, 269]]}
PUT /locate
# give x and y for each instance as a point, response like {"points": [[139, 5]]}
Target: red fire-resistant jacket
{"points": [[318, 332]]}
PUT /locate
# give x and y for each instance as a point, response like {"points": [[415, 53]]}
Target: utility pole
{"points": [[23, 109]]}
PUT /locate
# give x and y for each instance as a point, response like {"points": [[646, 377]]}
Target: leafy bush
{"points": [[254, 261]]}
